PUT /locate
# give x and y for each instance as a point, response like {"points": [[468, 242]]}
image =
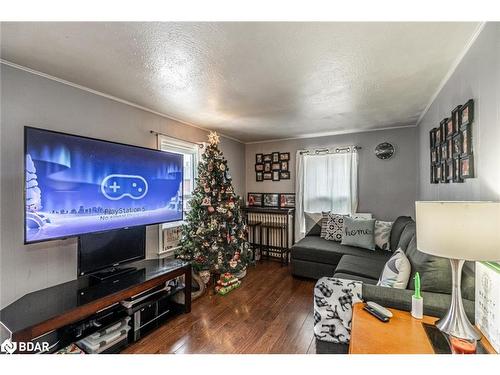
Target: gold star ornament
{"points": [[213, 138]]}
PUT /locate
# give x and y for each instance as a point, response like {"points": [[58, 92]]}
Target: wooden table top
{"points": [[401, 335]]}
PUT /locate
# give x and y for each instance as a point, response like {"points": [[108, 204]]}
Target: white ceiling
{"points": [[252, 81]]}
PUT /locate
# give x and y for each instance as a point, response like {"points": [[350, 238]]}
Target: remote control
{"points": [[380, 309]]}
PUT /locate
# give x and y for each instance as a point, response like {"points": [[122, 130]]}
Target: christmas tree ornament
{"points": [[206, 201]]}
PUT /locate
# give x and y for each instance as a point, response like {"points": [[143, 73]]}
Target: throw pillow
{"points": [[383, 234], [396, 271], [358, 233], [334, 226], [313, 223]]}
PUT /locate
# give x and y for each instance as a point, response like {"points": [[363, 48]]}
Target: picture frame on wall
{"points": [[442, 126], [254, 199], [270, 200], [267, 158], [275, 157], [467, 167], [455, 116], [432, 137], [443, 173], [284, 165], [284, 156], [457, 145], [267, 167], [276, 166], [465, 134], [438, 172], [259, 176], [276, 175], [287, 200], [467, 113], [259, 158], [433, 156], [284, 175], [456, 170], [449, 170], [267, 176], [444, 151], [259, 167], [450, 130], [438, 136], [434, 179]]}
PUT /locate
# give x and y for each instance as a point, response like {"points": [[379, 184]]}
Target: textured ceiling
{"points": [[252, 81]]}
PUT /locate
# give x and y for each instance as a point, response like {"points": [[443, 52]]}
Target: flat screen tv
{"points": [[76, 185], [110, 249]]}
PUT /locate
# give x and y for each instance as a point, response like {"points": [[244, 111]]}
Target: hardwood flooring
{"points": [[272, 312]]}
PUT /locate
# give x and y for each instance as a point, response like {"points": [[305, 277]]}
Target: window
{"points": [[191, 157], [326, 181]]}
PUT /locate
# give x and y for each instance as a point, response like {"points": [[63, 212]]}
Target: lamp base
{"points": [[455, 322]]}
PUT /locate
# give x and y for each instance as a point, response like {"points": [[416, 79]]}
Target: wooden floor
{"points": [[270, 313]]}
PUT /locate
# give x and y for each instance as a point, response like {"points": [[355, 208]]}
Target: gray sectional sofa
{"points": [[315, 257]]}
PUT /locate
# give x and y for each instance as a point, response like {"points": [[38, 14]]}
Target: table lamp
{"points": [[459, 231]]}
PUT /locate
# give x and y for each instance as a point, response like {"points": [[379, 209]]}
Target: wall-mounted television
{"points": [[76, 185]]}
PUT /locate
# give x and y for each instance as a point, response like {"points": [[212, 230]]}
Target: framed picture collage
{"points": [[272, 200], [451, 155], [272, 167]]}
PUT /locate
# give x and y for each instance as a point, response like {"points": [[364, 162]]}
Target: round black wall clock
{"points": [[384, 150]]}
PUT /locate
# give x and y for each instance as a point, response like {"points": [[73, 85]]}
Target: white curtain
{"points": [[325, 182]]}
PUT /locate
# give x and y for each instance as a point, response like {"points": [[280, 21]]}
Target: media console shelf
{"points": [[54, 308]]}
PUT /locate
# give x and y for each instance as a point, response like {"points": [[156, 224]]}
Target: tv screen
{"points": [[103, 250], [76, 185]]}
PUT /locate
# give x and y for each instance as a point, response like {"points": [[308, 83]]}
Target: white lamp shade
{"points": [[459, 230]]}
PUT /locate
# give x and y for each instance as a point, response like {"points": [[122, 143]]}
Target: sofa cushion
{"points": [[359, 233], [396, 272], [317, 249], [406, 236], [346, 276], [334, 226], [397, 229], [370, 267], [313, 223], [382, 235]]}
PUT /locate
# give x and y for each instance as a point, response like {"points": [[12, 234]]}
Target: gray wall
{"points": [[478, 77], [28, 99], [387, 188]]}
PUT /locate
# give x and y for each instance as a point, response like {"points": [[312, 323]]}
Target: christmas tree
{"points": [[214, 236]]}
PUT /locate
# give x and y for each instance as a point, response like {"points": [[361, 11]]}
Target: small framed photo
{"points": [[467, 113], [287, 200], [465, 134], [456, 145], [449, 170], [450, 130], [276, 166], [259, 158], [438, 172], [267, 158], [275, 157], [259, 176], [284, 165], [276, 175], [434, 178], [444, 151], [443, 173], [455, 116], [449, 147], [438, 135], [267, 167], [432, 137], [259, 167], [284, 156], [456, 171], [467, 167], [434, 156], [271, 200], [255, 199], [442, 126], [284, 175], [267, 176]]}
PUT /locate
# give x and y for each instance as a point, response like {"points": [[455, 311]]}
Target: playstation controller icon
{"points": [[118, 186]]}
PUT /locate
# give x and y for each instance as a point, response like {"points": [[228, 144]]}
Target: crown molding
{"points": [[111, 97], [327, 134], [452, 69]]}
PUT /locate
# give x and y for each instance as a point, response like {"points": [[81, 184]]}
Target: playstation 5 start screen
{"points": [[77, 185]]}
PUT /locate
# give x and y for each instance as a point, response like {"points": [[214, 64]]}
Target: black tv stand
{"points": [[109, 273]]}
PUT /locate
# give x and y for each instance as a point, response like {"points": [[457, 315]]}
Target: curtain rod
{"points": [[333, 151], [201, 144]]}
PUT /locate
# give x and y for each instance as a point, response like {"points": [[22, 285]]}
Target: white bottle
{"points": [[417, 307]]}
